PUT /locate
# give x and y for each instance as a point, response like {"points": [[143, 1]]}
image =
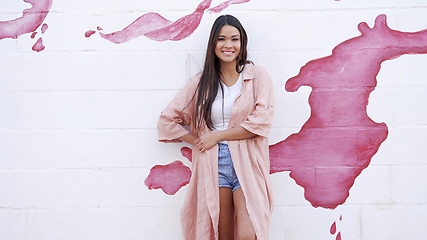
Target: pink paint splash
{"points": [[31, 19], [170, 178], [156, 27], [225, 5], [339, 139]]}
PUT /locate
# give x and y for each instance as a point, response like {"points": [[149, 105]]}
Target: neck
{"points": [[229, 75]]}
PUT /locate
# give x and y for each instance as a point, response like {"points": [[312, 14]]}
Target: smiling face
{"points": [[228, 45]]}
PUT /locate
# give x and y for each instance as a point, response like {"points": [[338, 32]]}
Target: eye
{"points": [[236, 39], [220, 39]]}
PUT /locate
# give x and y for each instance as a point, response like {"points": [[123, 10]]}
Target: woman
{"points": [[228, 109]]}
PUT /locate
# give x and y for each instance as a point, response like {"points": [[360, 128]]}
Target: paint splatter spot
{"points": [[44, 28], [38, 46], [186, 152], [33, 35], [89, 33]]}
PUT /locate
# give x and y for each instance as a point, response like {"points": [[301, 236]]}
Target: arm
{"points": [[177, 114], [189, 138], [208, 140]]}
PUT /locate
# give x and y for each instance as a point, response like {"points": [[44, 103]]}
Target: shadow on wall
{"points": [[339, 139]]}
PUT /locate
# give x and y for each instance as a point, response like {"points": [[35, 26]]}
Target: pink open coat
{"points": [[253, 110]]}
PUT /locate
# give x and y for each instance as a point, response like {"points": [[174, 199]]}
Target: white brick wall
{"points": [[77, 120]]}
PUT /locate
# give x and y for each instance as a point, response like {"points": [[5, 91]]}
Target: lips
{"points": [[228, 53]]}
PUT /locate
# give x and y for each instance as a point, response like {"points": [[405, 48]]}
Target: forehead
{"points": [[228, 30]]}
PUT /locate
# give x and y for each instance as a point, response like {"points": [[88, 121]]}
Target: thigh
{"points": [[245, 229], [226, 214]]}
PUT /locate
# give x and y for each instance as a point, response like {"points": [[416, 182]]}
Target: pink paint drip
{"points": [[44, 28], [156, 27], [170, 178], [339, 139], [333, 229], [31, 19]]}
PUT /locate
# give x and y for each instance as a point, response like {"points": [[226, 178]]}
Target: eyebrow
{"points": [[237, 35]]}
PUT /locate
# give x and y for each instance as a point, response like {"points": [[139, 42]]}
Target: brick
{"points": [[6, 193], [9, 111], [13, 7], [26, 150], [365, 4], [128, 109], [364, 192], [394, 222], [27, 72], [52, 110], [409, 184], [286, 191], [121, 188], [306, 223], [273, 39], [51, 189], [403, 146]]}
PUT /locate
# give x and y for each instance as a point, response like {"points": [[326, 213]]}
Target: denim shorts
{"points": [[226, 175]]}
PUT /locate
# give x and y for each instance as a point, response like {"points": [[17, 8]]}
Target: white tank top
{"points": [[221, 108]]}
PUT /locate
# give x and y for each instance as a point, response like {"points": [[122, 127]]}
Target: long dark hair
{"points": [[210, 78]]}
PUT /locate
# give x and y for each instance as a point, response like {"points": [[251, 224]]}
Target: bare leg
{"points": [[226, 214], [245, 229]]}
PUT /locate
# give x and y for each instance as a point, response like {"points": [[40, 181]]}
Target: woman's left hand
{"points": [[207, 141]]}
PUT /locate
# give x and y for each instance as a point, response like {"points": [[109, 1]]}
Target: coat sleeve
{"points": [[261, 119], [178, 113]]}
